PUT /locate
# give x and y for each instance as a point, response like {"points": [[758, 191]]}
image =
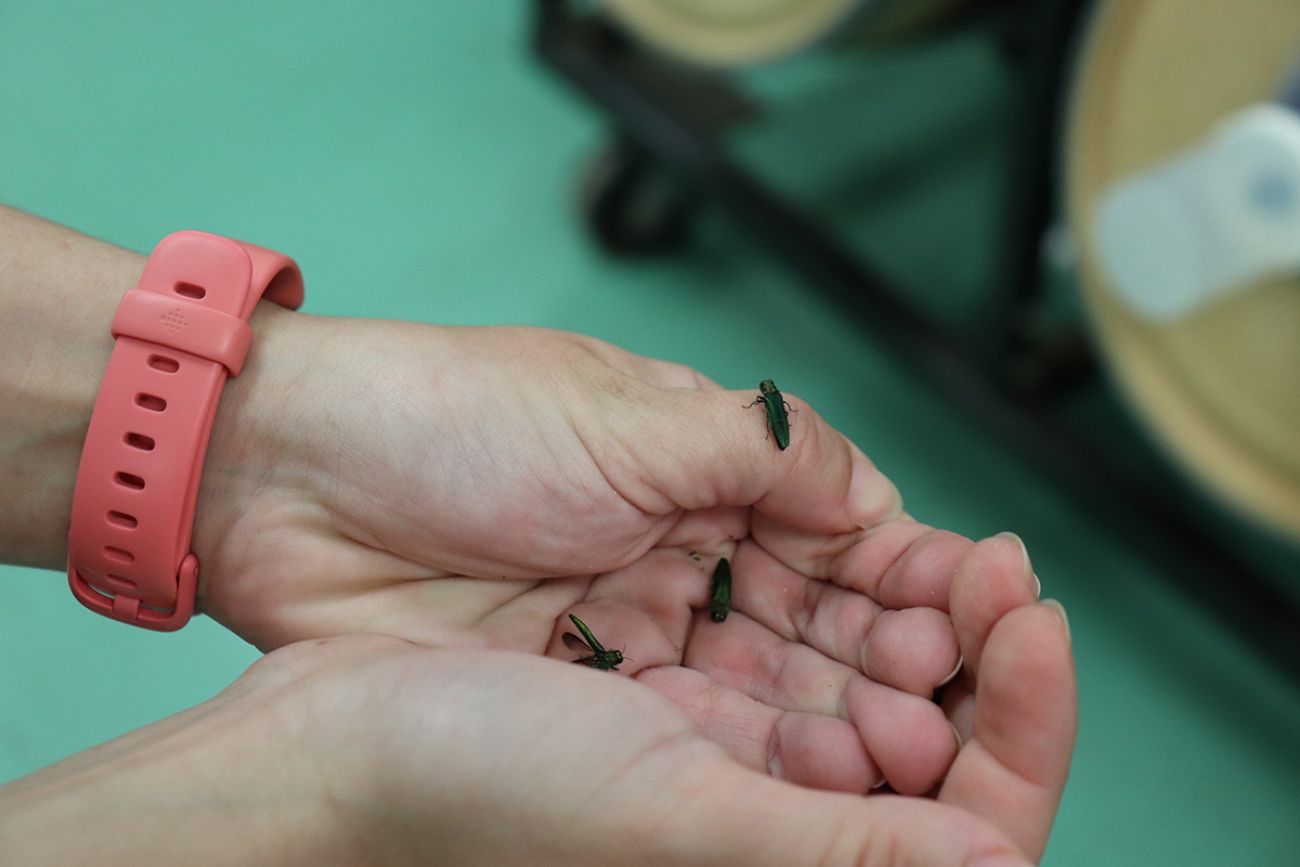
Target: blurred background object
{"points": [[1181, 163], [421, 165], [741, 32], [1184, 183]]}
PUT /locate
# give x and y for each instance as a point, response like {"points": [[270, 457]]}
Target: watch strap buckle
{"points": [[129, 609]]}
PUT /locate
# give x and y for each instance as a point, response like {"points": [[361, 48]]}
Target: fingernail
{"points": [[948, 679], [775, 769], [1003, 859], [957, 735], [1026, 568], [1060, 610]]}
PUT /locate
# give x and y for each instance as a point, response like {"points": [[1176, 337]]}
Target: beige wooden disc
{"points": [[743, 32], [1220, 389]]}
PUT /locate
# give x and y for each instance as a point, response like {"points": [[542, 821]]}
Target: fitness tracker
{"points": [[179, 334]]}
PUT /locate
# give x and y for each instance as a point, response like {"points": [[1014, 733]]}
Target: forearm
{"points": [[58, 292], [212, 786]]}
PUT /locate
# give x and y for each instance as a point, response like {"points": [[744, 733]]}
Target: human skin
{"points": [[372, 750], [467, 488]]}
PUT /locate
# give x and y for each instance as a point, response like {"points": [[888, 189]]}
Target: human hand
{"points": [[369, 749], [490, 758], [304, 527], [355, 462], [449, 490]]}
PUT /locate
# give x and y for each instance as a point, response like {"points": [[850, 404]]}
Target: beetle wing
{"points": [[720, 597], [573, 642], [588, 635], [778, 420]]}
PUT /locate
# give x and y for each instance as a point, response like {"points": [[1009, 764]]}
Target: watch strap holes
{"points": [[129, 480], [163, 363], [123, 520], [151, 402], [140, 441]]}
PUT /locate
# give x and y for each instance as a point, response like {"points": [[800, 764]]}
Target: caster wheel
{"points": [[632, 205]]}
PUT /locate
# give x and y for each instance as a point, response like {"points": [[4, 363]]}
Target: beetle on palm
{"points": [[720, 592], [597, 656]]}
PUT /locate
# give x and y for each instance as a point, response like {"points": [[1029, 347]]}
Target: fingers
{"points": [[745, 656], [994, 578], [1014, 768], [913, 649], [903, 564], [906, 736], [899, 563], [797, 607], [807, 749]]}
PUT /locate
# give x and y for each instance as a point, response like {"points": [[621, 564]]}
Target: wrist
{"points": [[59, 291], [227, 782], [180, 335], [260, 471]]}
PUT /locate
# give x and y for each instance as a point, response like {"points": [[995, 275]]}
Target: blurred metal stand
{"points": [[1007, 375]]}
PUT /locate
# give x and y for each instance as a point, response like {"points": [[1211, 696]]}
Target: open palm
{"points": [[470, 487], [485, 757]]}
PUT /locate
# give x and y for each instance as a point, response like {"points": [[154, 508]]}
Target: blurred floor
{"points": [[419, 166]]}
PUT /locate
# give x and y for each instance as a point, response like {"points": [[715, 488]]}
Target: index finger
{"points": [[1013, 770]]}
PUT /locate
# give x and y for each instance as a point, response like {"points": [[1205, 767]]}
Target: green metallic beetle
{"points": [[777, 412], [598, 656], [720, 601]]}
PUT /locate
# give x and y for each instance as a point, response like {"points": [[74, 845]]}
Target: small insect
{"points": [[777, 412], [720, 602], [598, 656]]}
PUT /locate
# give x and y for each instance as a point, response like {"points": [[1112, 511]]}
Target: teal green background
{"points": [[420, 165]]}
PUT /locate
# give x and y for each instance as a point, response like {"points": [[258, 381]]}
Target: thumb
{"points": [[710, 448], [767, 823]]}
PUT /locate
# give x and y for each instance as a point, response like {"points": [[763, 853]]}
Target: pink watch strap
{"points": [[180, 333]]}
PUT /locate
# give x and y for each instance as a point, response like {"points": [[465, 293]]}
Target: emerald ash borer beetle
{"points": [[720, 598], [597, 655], [777, 412]]}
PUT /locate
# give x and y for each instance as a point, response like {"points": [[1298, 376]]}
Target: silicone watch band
{"points": [[180, 333]]}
